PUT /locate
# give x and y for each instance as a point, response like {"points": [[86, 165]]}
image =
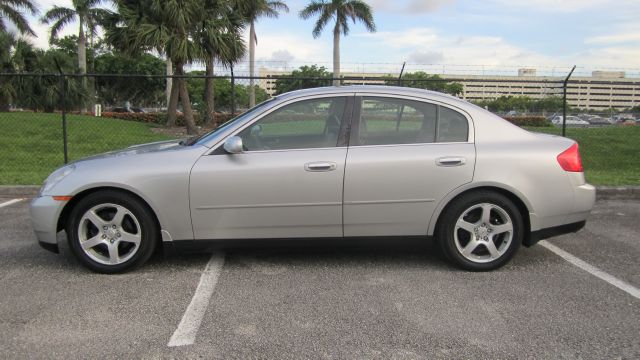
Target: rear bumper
{"points": [[553, 231], [44, 218]]}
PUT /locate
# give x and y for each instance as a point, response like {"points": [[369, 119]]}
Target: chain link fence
{"points": [[47, 120]]}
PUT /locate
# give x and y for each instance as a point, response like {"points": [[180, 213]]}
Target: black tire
{"points": [[148, 230], [455, 210]]}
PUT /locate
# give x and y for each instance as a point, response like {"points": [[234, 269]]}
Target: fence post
{"points": [[233, 92], [401, 72], [63, 95], [564, 102]]}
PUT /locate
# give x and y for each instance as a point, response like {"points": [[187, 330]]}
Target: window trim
{"points": [[355, 119], [343, 135]]}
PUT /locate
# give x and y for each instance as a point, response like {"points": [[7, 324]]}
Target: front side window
{"points": [[304, 124], [387, 121]]}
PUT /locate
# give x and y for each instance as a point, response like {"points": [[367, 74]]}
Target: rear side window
{"points": [[387, 121], [452, 126]]}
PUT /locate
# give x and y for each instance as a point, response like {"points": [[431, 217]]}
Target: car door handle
{"points": [[451, 161], [320, 166]]}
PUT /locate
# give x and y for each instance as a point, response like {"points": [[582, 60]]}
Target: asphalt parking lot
{"points": [[383, 301]]}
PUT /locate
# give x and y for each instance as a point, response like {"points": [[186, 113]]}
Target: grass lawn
{"points": [[32, 142], [610, 155]]}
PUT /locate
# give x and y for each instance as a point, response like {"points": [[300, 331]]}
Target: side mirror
{"points": [[233, 145]]}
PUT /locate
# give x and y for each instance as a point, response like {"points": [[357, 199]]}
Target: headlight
{"points": [[56, 177]]}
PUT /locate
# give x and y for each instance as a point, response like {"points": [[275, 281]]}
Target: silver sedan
{"points": [[335, 162]]}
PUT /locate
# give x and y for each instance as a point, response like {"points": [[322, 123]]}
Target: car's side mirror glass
{"points": [[233, 145]]}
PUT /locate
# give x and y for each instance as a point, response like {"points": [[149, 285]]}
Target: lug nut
{"points": [[104, 236], [114, 226], [118, 234], [105, 227]]}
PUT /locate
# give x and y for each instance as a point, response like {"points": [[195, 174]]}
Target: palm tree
{"points": [[11, 10], [341, 11], [252, 11], [221, 39], [88, 16], [166, 26]]}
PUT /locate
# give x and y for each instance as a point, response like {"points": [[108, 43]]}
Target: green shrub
{"points": [[535, 121], [161, 118]]}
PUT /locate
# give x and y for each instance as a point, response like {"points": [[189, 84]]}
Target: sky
{"points": [[455, 37]]}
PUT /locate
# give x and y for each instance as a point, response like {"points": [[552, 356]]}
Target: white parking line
{"points": [[10, 202], [187, 330], [624, 286]]}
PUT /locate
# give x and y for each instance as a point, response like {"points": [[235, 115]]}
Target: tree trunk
{"points": [[169, 80], [172, 107], [186, 103], [209, 93], [82, 58], [252, 65], [336, 55]]}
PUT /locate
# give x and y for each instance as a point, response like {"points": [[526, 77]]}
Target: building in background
{"points": [[603, 90]]}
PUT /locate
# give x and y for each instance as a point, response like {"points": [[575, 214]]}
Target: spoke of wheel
{"points": [[499, 229], [130, 238], [492, 249], [465, 225], [472, 245], [96, 240], [95, 219], [113, 253], [486, 213], [119, 216]]}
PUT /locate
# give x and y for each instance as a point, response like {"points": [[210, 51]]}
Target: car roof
{"points": [[375, 89]]}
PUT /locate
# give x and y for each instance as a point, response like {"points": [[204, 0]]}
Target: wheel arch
{"points": [[66, 211], [519, 200]]}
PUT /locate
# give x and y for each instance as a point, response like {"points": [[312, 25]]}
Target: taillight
{"points": [[570, 160]]}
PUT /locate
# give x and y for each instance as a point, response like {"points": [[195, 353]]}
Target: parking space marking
{"points": [[10, 202], [187, 330], [622, 285]]}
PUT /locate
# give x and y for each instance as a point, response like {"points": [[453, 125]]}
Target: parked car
{"points": [[336, 162], [593, 119], [571, 121]]}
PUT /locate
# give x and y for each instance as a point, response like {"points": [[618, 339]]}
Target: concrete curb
{"points": [[603, 193], [618, 193], [19, 190]]}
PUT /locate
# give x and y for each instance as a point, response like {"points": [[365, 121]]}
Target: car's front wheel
{"points": [[480, 231], [111, 232]]}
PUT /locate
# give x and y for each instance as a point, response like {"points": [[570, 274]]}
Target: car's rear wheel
{"points": [[112, 232], [480, 231]]}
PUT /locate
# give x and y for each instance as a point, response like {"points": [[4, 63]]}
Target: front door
{"points": [[288, 183]]}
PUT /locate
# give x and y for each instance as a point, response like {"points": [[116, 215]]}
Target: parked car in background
{"points": [[571, 121], [594, 119], [335, 162]]}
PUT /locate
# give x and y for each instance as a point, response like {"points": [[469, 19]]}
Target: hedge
{"points": [[161, 118], [535, 121]]}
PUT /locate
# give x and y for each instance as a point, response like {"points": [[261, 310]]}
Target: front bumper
{"points": [[45, 213]]}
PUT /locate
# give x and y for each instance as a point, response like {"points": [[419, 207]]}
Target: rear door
{"points": [[405, 154]]}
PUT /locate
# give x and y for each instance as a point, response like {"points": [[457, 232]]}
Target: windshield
{"points": [[201, 139]]}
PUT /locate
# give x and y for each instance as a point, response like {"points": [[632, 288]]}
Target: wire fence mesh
{"points": [[49, 119]]}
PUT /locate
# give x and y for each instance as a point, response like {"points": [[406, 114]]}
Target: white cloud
{"points": [[426, 57], [408, 6], [557, 5], [477, 53], [626, 33]]}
